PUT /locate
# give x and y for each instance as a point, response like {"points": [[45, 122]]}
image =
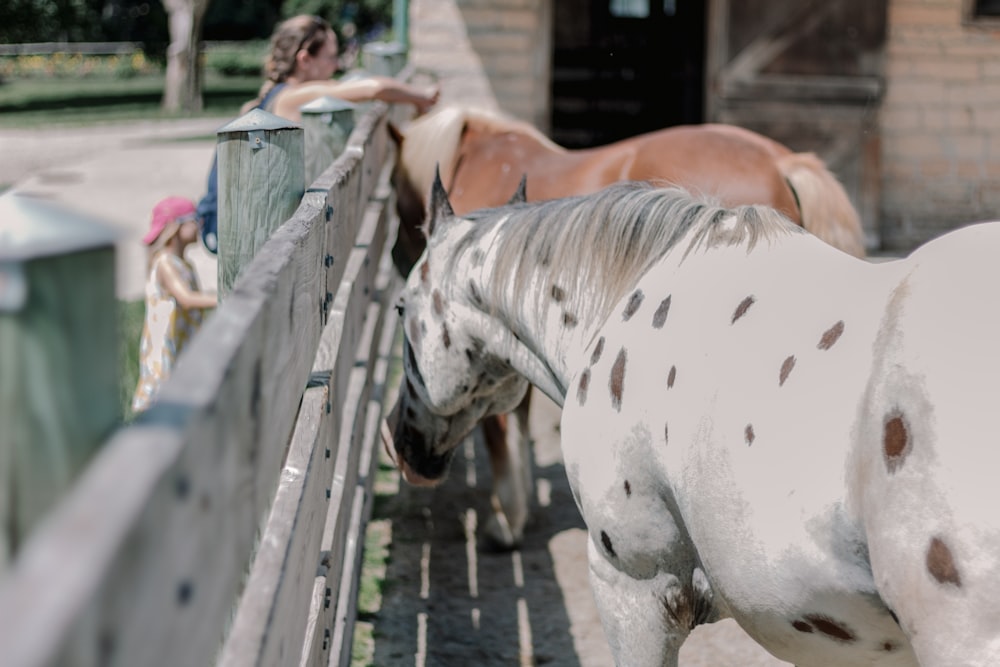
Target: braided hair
{"points": [[289, 37]]}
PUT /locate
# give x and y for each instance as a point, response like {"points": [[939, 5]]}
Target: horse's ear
{"points": [[395, 133], [520, 195], [440, 207]]}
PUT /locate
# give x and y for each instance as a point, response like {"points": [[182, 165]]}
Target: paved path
{"points": [[115, 174]]}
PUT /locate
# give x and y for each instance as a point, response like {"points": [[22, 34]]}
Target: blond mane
{"points": [[433, 140]]}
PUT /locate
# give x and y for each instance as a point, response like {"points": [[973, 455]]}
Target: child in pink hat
{"points": [[174, 303]]}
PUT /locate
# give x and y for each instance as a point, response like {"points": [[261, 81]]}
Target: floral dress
{"points": [[167, 329]]}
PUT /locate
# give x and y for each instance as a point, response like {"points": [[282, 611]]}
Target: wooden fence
{"points": [[226, 524]]}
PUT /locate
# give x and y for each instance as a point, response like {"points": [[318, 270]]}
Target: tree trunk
{"points": [[182, 89]]}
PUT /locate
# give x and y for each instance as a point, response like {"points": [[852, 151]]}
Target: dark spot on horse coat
{"points": [[742, 309], [895, 442], [438, 302], [445, 336], [581, 388], [941, 564], [749, 435], [478, 257], [569, 320], [558, 294], [617, 380], [628, 489], [802, 626], [469, 354], [633, 304], [425, 272], [889, 646], [660, 316], [666, 434], [606, 541], [831, 628], [786, 367], [831, 336], [598, 349], [671, 377]]}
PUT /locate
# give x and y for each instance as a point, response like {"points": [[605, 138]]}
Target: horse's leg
{"points": [[508, 443], [636, 613]]}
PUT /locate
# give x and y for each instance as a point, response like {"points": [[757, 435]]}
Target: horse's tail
{"points": [[824, 207]]}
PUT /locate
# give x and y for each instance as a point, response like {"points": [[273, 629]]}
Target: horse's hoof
{"points": [[497, 536]]}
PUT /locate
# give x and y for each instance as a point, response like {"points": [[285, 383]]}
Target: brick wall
{"points": [[494, 53], [940, 122]]}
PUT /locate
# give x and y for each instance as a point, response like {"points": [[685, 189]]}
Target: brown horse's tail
{"points": [[824, 207]]}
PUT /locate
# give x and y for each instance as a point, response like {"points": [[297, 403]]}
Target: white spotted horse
{"points": [[482, 154], [755, 426]]}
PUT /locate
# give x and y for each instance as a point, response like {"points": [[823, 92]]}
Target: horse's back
{"points": [[826, 419], [925, 461], [732, 164]]}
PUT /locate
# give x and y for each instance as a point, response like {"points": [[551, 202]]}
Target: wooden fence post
{"points": [[261, 182], [327, 123], [383, 58], [59, 383]]}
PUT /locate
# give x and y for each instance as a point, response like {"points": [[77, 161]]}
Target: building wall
{"points": [[940, 122], [494, 53], [939, 117]]}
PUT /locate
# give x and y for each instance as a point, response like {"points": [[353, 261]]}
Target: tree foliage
{"points": [[146, 21], [365, 18], [85, 21]]}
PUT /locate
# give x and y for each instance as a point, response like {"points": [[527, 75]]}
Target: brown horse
{"points": [[482, 155]]}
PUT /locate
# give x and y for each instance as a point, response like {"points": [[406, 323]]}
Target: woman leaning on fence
{"points": [[302, 59]]}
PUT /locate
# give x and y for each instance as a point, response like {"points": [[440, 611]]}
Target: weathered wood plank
{"points": [[372, 136], [337, 191], [354, 389], [261, 183], [346, 611], [327, 123], [364, 386], [59, 393], [271, 620], [152, 545], [159, 531], [841, 89], [271, 617], [367, 383]]}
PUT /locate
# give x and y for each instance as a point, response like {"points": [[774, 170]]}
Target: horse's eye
{"points": [[399, 307]]}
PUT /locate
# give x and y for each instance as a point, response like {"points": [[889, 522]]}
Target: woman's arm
{"points": [[186, 297], [365, 89]]}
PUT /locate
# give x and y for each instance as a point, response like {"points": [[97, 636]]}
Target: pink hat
{"points": [[166, 211]]}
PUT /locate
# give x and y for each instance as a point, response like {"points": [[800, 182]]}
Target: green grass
{"points": [[130, 320], [43, 102]]}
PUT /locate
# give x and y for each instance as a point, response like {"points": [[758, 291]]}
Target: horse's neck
{"points": [[544, 331]]}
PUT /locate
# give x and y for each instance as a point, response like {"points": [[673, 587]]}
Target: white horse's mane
{"points": [[617, 233], [432, 141]]}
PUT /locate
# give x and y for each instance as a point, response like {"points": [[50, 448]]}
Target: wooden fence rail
{"points": [[225, 524]]}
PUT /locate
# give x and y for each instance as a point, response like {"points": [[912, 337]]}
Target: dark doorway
{"points": [[624, 67]]}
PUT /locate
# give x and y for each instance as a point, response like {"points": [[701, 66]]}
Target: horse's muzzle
{"points": [[386, 429]]}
